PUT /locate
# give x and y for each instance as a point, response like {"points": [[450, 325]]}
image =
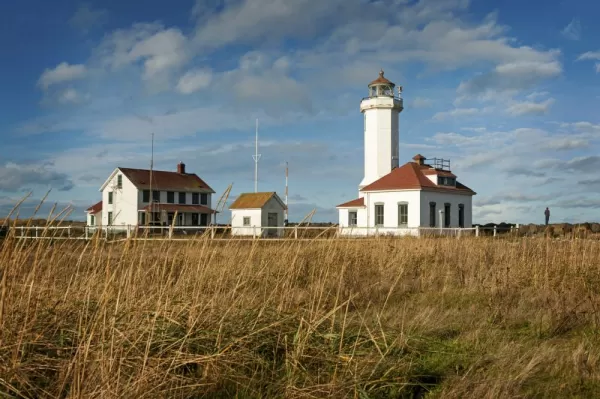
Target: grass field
{"points": [[387, 318]]}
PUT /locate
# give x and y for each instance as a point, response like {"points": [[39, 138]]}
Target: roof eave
{"points": [[109, 178]]}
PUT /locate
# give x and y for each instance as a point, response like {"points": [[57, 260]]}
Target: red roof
{"points": [[178, 208], [97, 207], [410, 176], [355, 203], [164, 180], [381, 80]]}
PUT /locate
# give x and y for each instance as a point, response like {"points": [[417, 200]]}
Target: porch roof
{"points": [[180, 208]]}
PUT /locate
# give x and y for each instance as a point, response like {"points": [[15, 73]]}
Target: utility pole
{"points": [[256, 157], [286, 193], [151, 215]]}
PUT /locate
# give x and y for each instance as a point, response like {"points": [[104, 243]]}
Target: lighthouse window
{"points": [[446, 181], [379, 215], [352, 218]]}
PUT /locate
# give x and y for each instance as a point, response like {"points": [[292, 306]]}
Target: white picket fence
{"points": [[229, 233]]}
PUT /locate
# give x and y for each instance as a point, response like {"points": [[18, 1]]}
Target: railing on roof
{"points": [[440, 163]]}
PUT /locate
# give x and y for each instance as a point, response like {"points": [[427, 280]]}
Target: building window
{"points": [[432, 214], [182, 198], [203, 199], [142, 218], [110, 198], [195, 200], [461, 215], [203, 219], [246, 220], [170, 197], [155, 196], [146, 196], [110, 219], [402, 214], [446, 215], [352, 218], [446, 181], [195, 219], [92, 220], [119, 181], [379, 215]]}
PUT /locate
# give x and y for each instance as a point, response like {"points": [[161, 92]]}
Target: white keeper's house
{"points": [[134, 197], [394, 199]]}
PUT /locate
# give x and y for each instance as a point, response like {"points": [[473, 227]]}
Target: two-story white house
{"points": [[132, 197], [394, 199]]}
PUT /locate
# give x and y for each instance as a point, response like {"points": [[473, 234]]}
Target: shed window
{"points": [[246, 220]]}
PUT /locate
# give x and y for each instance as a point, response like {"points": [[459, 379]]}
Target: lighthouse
{"points": [[381, 111], [422, 195]]}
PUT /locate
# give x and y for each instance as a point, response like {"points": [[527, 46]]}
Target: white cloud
{"points": [[162, 51], [458, 112], [573, 30], [70, 96], [420, 102], [14, 177], [62, 73], [566, 143], [590, 55], [537, 94], [510, 77], [194, 80], [86, 18], [530, 108]]}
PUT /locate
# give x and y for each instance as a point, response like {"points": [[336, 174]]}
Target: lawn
{"points": [[387, 318]]}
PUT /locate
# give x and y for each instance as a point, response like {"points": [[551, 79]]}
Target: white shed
{"points": [[257, 214]]}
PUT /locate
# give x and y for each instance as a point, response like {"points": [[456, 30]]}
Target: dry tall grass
{"points": [[468, 318]]}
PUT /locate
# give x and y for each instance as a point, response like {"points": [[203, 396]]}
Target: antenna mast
{"points": [[286, 192], [256, 157], [151, 196]]}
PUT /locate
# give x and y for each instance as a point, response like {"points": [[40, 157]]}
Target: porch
{"points": [[164, 215]]}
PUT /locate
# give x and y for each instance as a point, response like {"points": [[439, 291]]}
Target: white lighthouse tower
{"points": [[381, 111]]}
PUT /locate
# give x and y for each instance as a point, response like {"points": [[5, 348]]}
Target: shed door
{"points": [[272, 219], [271, 222]]}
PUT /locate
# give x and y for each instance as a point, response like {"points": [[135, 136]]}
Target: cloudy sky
{"points": [[509, 91]]}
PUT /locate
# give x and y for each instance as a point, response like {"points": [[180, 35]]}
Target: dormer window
{"points": [[446, 181]]}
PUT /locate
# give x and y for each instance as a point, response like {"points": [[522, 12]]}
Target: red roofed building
{"points": [[133, 197], [400, 199]]}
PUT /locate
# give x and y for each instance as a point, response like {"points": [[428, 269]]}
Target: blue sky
{"points": [[508, 91]]}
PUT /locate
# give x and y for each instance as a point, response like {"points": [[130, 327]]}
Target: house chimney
{"points": [[419, 159], [181, 168]]}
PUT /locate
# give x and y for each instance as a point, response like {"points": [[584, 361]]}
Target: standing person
{"points": [[547, 214]]}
